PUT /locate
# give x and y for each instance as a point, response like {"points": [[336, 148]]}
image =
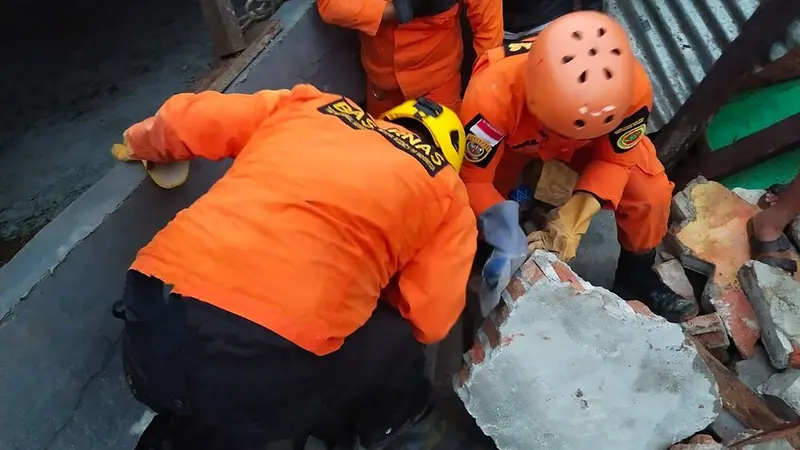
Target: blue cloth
{"points": [[501, 230]]}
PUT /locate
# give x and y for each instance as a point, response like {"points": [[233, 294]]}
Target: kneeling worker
{"points": [[575, 93], [295, 296]]}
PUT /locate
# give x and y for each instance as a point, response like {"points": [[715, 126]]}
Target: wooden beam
{"points": [[785, 68], [751, 150], [766, 25], [221, 19], [737, 398]]}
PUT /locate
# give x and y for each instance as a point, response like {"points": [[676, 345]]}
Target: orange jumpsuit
{"points": [[621, 168], [419, 58], [306, 230]]}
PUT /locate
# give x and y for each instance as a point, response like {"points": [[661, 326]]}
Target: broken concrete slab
{"points": [[755, 371], [727, 427], [711, 238], [711, 332], [775, 295], [561, 364], [673, 275], [785, 386]]}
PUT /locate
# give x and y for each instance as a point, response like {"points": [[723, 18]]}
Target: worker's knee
{"points": [[643, 212]]}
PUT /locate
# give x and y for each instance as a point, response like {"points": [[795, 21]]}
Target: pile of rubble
{"points": [[562, 364]]}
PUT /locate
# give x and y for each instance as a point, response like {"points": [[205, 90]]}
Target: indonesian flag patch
{"points": [[482, 141]]}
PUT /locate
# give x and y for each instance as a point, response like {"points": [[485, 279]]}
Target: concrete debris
{"points": [[711, 332], [727, 427], [673, 275], [775, 295], [749, 195], [561, 364], [785, 386], [711, 238], [773, 444], [755, 371]]}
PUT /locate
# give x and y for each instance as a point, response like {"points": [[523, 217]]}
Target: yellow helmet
{"points": [[443, 125]]}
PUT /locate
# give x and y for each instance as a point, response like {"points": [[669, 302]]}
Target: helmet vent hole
{"points": [[582, 78], [608, 73], [616, 51], [593, 52], [567, 59], [577, 35], [609, 119], [579, 123], [601, 32]]}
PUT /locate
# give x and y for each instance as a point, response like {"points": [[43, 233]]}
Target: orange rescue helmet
{"points": [[579, 76]]}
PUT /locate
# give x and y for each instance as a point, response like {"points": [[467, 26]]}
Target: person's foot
{"points": [[636, 280], [431, 431], [769, 245]]}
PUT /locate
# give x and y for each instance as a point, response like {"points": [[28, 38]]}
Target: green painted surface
{"points": [[751, 112]]}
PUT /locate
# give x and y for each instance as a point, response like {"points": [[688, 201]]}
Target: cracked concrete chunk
{"points": [[571, 366], [713, 240], [775, 295], [785, 386], [755, 371]]}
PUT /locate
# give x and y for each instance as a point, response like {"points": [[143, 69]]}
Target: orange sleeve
{"points": [[431, 288], [486, 19], [627, 145], [482, 157], [361, 15], [209, 125]]}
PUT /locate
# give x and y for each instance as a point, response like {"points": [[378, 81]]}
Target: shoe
{"points": [[635, 279], [429, 432]]}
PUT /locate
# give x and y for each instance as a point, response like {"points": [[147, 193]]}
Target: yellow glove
{"points": [[566, 227], [122, 152], [167, 175]]}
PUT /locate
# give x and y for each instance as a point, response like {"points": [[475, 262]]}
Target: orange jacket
{"points": [[502, 136], [322, 207], [422, 54]]}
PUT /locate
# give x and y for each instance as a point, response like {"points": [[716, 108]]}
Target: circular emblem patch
{"points": [[477, 149], [632, 137]]}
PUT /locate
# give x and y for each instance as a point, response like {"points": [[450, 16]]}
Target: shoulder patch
{"points": [[630, 132], [483, 139], [517, 48], [429, 156]]}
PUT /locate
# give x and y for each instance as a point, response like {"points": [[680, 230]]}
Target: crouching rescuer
{"points": [[295, 297], [577, 94]]}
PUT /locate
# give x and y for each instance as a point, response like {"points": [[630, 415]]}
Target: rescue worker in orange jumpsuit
{"points": [[295, 296], [414, 48], [575, 93]]}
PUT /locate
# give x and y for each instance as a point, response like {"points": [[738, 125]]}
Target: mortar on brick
{"points": [[712, 240], [576, 368]]}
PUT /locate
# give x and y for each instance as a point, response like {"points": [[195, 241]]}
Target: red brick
{"points": [[713, 240], [698, 442], [568, 276], [709, 330], [515, 288], [477, 353], [640, 308], [531, 271]]}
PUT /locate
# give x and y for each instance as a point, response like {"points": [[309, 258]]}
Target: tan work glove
{"points": [[165, 175], [566, 227]]}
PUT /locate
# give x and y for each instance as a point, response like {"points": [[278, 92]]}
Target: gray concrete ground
{"points": [[75, 75]]}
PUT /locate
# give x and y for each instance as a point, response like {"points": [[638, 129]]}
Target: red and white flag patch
{"points": [[482, 141]]}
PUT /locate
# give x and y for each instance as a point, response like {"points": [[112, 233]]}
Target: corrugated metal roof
{"points": [[679, 40]]}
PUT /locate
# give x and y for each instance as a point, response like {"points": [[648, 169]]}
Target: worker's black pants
{"points": [[243, 385]]}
